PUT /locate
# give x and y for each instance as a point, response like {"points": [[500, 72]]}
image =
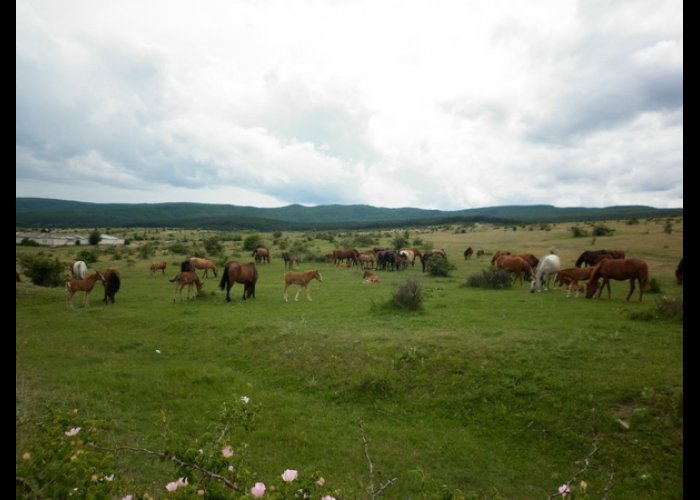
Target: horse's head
{"points": [[591, 288], [317, 275]]}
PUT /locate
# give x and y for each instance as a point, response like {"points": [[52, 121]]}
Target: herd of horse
{"points": [[592, 266]]}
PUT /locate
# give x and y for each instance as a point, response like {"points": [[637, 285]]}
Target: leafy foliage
{"points": [[491, 278], [43, 271]]}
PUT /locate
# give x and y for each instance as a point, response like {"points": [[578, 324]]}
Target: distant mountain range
{"points": [[50, 213]]}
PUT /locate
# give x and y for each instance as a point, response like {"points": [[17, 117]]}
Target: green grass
{"points": [[491, 393]]}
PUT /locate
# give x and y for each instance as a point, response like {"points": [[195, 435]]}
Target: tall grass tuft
{"points": [[491, 278]]}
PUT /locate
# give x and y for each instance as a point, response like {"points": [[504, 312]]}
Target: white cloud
{"points": [[448, 105]]}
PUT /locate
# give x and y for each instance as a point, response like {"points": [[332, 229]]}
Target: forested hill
{"points": [[50, 213]]}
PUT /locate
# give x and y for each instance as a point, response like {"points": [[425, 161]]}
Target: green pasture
{"points": [[482, 394]]}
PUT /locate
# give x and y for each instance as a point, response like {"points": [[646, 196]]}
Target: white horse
{"points": [[546, 270], [79, 270]]}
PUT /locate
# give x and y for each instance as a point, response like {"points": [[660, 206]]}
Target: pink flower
{"points": [[328, 497], [289, 475], [73, 431], [258, 490], [182, 482], [171, 486], [227, 452], [564, 489]]}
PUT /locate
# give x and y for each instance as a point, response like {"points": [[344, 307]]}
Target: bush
{"points": [[213, 246], [252, 241], [408, 295], [664, 308], [89, 256], [43, 271], [95, 237], [147, 251], [179, 249], [602, 230], [579, 232], [437, 265], [491, 278]]}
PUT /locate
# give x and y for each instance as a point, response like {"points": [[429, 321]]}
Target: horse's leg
{"points": [[308, 295], [632, 289], [228, 291], [607, 282], [286, 285], [296, 297]]}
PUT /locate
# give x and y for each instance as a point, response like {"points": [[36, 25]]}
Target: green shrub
{"points": [[602, 230], [179, 249], [89, 256], [437, 265], [213, 246], [491, 278], [579, 232], [147, 251], [43, 271], [26, 242], [408, 295], [252, 241], [664, 308]]}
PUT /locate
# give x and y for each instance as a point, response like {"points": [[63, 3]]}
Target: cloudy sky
{"points": [[429, 104]]}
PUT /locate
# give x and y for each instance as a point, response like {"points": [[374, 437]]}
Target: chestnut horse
{"points": [[235, 272], [515, 265], [188, 278], [620, 270], [261, 254], [302, 279], [158, 266], [205, 264], [112, 283], [85, 285], [571, 276]]}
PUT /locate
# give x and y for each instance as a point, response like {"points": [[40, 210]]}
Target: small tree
{"points": [[399, 242], [213, 246], [43, 271], [252, 241], [95, 237]]}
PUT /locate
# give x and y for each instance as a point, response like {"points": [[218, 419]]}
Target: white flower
{"points": [[73, 431], [245, 399], [157, 351]]}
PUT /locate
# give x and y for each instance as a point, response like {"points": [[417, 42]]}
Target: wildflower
{"points": [[73, 431], [157, 351], [583, 485], [258, 490], [289, 475], [245, 399], [230, 468], [200, 493], [171, 486], [321, 481], [94, 478], [564, 489], [127, 497], [109, 478], [182, 482], [328, 497], [227, 452], [26, 455]]}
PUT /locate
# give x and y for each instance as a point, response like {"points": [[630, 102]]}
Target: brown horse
{"points": [[516, 266], [620, 270], [235, 272], [85, 285], [468, 253], [188, 278], [261, 255], [479, 253], [290, 260], [679, 272], [346, 255], [302, 279], [571, 276], [205, 264], [497, 255], [112, 283], [159, 266]]}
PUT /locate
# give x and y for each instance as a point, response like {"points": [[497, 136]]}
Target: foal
{"points": [[188, 278], [85, 285], [301, 279]]}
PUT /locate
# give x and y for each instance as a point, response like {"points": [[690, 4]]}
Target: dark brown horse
{"points": [[620, 270], [679, 272], [112, 283], [468, 253], [346, 254], [290, 260], [593, 257], [235, 272]]}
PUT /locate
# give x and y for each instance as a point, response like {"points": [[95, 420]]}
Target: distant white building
{"points": [[62, 239]]}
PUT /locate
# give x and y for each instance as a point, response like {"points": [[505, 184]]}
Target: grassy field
{"points": [[483, 394]]}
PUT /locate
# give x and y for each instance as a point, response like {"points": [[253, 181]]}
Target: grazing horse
{"points": [[620, 270], [593, 257], [468, 253], [679, 272], [479, 253], [426, 258], [235, 272], [346, 254], [530, 259], [411, 258], [617, 254], [571, 276], [82, 285], [546, 269], [302, 279], [261, 255], [290, 260], [112, 283], [79, 270], [497, 255], [205, 264], [186, 266], [188, 278], [440, 251], [367, 260], [158, 266], [515, 265]]}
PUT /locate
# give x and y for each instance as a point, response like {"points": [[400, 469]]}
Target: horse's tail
{"points": [[116, 282], [224, 277], [644, 277]]}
